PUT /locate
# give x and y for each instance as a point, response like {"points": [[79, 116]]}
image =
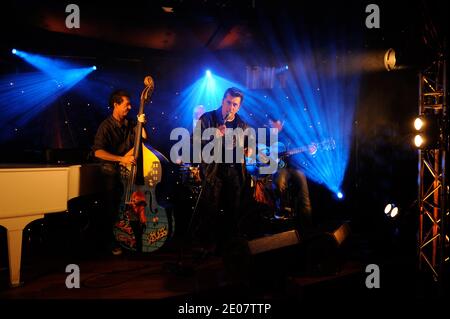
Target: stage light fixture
{"points": [[13, 51], [391, 210], [427, 128], [390, 60], [339, 195], [208, 73], [94, 67], [418, 124], [394, 212], [412, 58], [388, 209], [418, 141]]}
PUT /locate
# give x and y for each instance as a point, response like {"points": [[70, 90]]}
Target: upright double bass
{"points": [[143, 224]]}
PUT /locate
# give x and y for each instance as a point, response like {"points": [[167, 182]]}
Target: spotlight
{"points": [[391, 210], [339, 195], [416, 58], [418, 124], [94, 67], [390, 60], [427, 128], [13, 51], [286, 67], [388, 209], [208, 73], [418, 141], [394, 212]]}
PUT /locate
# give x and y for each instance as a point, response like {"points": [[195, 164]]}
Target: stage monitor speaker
{"points": [[324, 253], [273, 242], [268, 255], [287, 253], [341, 234]]}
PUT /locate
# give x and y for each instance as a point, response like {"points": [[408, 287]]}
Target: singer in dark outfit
{"points": [[224, 183]]}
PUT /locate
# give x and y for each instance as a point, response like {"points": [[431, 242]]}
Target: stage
{"points": [[283, 153], [290, 272]]}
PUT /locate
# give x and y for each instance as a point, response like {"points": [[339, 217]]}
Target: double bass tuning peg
{"points": [[149, 87], [148, 81]]}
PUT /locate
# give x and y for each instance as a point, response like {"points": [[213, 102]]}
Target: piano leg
{"points": [[14, 227]]}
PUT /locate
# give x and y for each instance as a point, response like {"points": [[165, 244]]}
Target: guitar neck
{"points": [[325, 145], [295, 151]]}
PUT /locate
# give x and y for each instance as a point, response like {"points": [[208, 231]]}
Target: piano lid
{"points": [[40, 189]]}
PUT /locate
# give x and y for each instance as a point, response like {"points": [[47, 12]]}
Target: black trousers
{"points": [[220, 208], [299, 195], [112, 197]]}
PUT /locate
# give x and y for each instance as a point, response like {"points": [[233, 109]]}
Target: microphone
{"points": [[225, 119]]}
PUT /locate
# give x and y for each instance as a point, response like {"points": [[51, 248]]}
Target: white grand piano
{"points": [[29, 192]]}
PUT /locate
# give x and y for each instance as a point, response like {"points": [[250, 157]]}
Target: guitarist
{"points": [[113, 146], [299, 206]]}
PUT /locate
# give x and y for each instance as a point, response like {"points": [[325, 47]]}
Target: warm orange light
{"points": [[418, 123], [390, 59], [418, 140]]}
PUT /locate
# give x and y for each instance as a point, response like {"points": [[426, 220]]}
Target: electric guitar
{"points": [[265, 153]]}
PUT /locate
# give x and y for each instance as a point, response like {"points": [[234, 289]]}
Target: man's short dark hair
{"points": [[116, 97], [234, 92]]}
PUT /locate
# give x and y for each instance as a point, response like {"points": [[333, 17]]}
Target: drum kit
{"points": [[191, 182], [190, 177], [262, 185]]}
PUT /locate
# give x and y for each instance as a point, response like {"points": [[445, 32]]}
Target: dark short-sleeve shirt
{"points": [[115, 138]]}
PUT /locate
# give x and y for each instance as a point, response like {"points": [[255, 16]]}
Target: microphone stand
{"points": [[179, 267]]}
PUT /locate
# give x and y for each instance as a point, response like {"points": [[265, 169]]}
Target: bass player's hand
{"points": [[141, 118], [127, 160]]}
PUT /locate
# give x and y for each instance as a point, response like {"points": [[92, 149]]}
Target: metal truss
{"points": [[433, 235]]}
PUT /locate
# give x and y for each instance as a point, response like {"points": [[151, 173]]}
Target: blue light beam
{"points": [[27, 94]]}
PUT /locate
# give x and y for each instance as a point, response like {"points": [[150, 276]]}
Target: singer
{"points": [[113, 146], [225, 184]]}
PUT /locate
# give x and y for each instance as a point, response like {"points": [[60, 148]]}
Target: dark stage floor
{"points": [[273, 276]]}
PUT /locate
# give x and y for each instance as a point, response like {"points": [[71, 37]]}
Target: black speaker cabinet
{"points": [[263, 257], [275, 255], [323, 251]]}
